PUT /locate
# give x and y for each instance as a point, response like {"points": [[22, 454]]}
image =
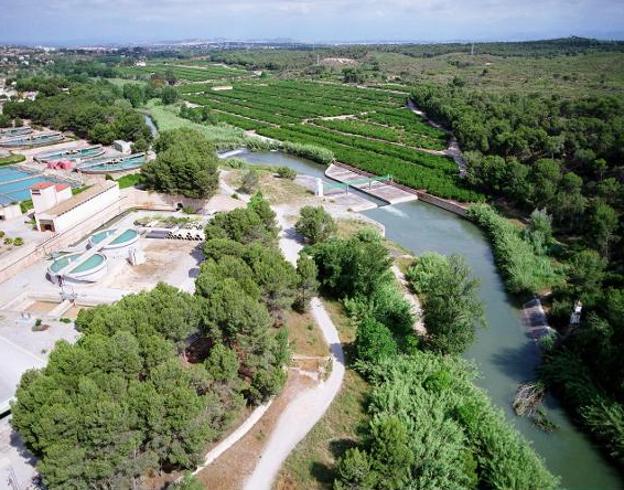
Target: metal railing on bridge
{"points": [[357, 183]]}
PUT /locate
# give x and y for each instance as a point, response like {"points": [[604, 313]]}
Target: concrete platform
{"points": [[385, 191]]}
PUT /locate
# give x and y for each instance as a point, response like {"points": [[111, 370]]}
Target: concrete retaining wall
{"points": [[161, 202], [450, 206]]}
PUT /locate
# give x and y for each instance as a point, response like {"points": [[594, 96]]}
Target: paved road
{"points": [[302, 413]]}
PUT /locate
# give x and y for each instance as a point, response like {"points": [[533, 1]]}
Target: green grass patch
{"points": [[167, 118], [311, 464], [12, 159], [130, 180]]}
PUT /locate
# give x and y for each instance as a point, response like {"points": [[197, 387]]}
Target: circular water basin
{"points": [[93, 264], [126, 238], [62, 262]]}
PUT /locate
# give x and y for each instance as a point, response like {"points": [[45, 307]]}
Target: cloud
{"points": [[437, 20]]}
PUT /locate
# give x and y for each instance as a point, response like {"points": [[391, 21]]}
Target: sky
{"points": [[142, 21]]}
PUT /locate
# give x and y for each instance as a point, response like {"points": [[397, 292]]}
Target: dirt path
{"points": [[235, 436], [303, 412], [453, 150]]}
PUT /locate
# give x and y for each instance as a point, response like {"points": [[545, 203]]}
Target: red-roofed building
{"points": [[46, 195]]}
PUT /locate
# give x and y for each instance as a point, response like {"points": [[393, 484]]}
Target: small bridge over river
{"points": [[377, 186]]}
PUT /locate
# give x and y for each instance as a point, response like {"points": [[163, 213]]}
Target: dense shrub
{"points": [[524, 271], [452, 309], [121, 402], [315, 224], [353, 267], [89, 109], [311, 152], [431, 427]]}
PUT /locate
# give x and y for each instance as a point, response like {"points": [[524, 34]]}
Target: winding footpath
{"points": [[301, 414]]}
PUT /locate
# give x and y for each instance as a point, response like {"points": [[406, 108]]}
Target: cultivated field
{"points": [[370, 129], [189, 73]]}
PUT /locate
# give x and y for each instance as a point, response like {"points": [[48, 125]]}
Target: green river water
{"points": [[505, 355]]}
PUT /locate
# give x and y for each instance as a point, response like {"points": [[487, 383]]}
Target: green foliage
{"points": [[307, 282], [120, 402], [165, 312], [134, 93], [188, 482], [83, 110], [539, 232], [388, 306], [289, 111], [585, 271], [353, 267], [311, 152], [374, 341], [12, 159], [245, 225], [570, 375], [427, 421], [249, 181], [452, 307], [601, 227], [286, 173], [130, 180], [246, 283], [169, 95], [419, 170], [186, 165], [524, 271], [171, 74], [315, 224]]}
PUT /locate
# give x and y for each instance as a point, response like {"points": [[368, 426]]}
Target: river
{"points": [[504, 354], [151, 125]]}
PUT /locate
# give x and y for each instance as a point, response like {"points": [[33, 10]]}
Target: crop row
{"points": [[240, 122], [233, 106], [346, 104], [438, 163], [379, 132], [361, 128], [190, 74], [258, 112], [195, 88], [315, 88], [292, 109], [403, 172], [323, 93], [406, 119], [300, 107], [224, 71]]}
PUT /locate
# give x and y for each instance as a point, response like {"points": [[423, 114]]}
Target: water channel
{"points": [[504, 354], [151, 125]]}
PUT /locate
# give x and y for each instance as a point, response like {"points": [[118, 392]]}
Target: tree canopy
{"points": [[315, 224], [186, 164], [452, 307]]}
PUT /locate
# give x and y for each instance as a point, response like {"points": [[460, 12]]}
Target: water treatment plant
{"points": [[32, 141], [72, 154], [113, 164]]}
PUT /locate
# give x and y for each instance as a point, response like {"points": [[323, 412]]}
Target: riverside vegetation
{"points": [[427, 424], [540, 122]]}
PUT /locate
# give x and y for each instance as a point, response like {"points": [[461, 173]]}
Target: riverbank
{"points": [[504, 354]]}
